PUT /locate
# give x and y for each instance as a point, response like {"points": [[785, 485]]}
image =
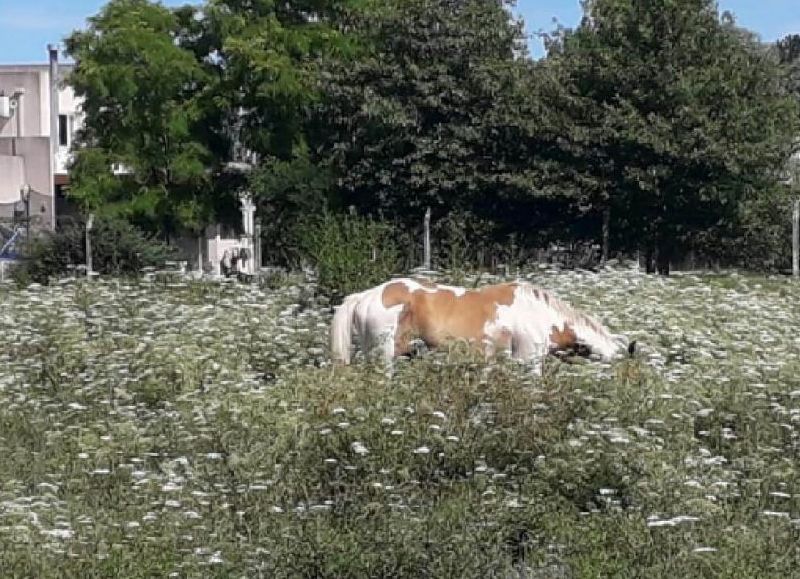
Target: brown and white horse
{"points": [[525, 321]]}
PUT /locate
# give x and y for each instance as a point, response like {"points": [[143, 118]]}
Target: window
{"points": [[63, 130]]}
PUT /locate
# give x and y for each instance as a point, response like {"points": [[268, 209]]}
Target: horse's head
{"points": [[566, 342], [625, 346]]}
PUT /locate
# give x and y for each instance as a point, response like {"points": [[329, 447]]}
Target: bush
{"points": [[759, 239], [350, 253], [118, 248]]}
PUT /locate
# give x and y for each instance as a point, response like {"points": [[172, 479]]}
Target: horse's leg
{"points": [[387, 347], [383, 347], [538, 360], [403, 334], [504, 342], [525, 349]]}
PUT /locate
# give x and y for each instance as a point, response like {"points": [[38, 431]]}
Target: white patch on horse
{"points": [[376, 324], [458, 291], [430, 287]]}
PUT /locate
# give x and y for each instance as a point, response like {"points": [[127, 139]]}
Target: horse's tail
{"points": [[342, 329]]}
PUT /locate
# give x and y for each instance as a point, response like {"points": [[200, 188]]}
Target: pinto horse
{"points": [[518, 318]]}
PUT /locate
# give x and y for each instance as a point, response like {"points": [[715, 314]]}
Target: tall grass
{"points": [[166, 429]]}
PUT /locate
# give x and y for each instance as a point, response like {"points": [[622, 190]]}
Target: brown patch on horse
{"points": [[438, 316], [563, 340], [395, 294], [404, 333]]}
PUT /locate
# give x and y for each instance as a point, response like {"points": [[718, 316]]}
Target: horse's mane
{"points": [[571, 315]]}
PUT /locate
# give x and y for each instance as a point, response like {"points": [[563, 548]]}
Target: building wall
{"points": [[69, 107], [36, 153], [31, 142], [12, 78], [12, 177]]}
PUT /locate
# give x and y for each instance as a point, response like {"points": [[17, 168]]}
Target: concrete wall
{"points": [[33, 137], [34, 124], [36, 154], [12, 177], [69, 105]]}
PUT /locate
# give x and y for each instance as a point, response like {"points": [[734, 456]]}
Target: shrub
{"points": [[350, 253], [118, 248]]}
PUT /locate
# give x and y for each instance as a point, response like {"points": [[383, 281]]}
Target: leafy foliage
{"points": [[265, 57], [289, 193], [655, 126], [204, 417], [351, 253], [140, 93], [678, 116], [118, 248], [420, 119]]}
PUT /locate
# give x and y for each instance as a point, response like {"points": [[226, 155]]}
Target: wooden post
{"points": [[796, 237], [89, 225], [200, 253], [427, 258]]}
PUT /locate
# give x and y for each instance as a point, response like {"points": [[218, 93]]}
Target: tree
{"points": [[674, 116], [788, 49], [266, 58], [140, 91], [166, 91], [424, 118]]}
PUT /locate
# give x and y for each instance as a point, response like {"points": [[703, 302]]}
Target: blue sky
{"points": [[770, 19], [27, 26]]}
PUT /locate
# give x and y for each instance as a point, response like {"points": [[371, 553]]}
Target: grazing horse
{"points": [[518, 318]]}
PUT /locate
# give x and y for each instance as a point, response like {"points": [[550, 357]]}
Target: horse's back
{"points": [[456, 313]]}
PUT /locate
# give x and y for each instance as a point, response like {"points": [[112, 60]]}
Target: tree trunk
{"points": [[663, 255], [605, 233], [650, 257], [427, 240], [796, 237], [663, 263]]}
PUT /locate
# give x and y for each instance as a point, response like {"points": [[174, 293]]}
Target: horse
{"points": [[517, 318]]}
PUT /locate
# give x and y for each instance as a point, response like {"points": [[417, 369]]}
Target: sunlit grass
{"points": [[190, 429]]}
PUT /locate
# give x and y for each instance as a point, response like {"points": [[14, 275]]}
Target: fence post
{"points": [[200, 253], [89, 225], [796, 237], [427, 258]]}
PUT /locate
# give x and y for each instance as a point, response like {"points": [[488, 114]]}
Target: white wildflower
{"points": [[359, 448]]}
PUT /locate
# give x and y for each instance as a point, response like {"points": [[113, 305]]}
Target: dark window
{"points": [[63, 132]]}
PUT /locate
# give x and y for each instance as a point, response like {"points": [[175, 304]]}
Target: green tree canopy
{"points": [[674, 116], [140, 93], [165, 90], [659, 118], [421, 118]]}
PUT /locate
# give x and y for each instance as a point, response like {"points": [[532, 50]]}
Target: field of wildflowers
{"points": [[190, 429]]}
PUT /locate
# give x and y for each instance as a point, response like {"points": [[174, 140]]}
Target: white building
{"points": [[39, 118], [36, 131]]}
